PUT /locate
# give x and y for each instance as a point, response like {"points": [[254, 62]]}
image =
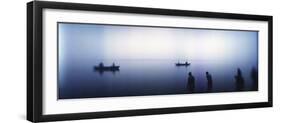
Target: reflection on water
{"points": [[154, 77]]}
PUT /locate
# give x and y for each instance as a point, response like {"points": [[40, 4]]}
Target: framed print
{"points": [[95, 61]]}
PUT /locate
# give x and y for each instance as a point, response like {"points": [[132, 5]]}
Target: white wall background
{"points": [[13, 61]]}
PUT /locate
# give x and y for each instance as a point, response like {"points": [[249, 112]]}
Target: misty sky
{"points": [[92, 42]]}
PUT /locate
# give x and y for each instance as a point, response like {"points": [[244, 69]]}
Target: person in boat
{"points": [[101, 65], [113, 64], [186, 62]]}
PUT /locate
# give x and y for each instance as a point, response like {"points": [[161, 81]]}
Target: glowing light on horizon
{"points": [[127, 42], [164, 45]]}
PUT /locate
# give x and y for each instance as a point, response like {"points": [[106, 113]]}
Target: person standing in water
{"points": [[191, 83], [254, 76], [210, 81], [239, 80]]}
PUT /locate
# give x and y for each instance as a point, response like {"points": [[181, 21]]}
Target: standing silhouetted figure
{"points": [[254, 76], [191, 82], [239, 80], [101, 64], [210, 81]]}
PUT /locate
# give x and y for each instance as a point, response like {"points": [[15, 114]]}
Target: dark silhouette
{"points": [[239, 80], [210, 81], [191, 82], [101, 68], [182, 64], [101, 64], [254, 76]]}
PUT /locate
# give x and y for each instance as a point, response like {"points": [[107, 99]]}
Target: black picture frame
{"points": [[34, 60]]}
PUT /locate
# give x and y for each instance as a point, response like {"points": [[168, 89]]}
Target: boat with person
{"points": [[183, 64], [101, 67]]}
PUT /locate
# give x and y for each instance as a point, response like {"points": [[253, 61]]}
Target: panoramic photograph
{"points": [[106, 60]]}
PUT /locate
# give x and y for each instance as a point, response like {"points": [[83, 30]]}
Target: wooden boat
{"points": [[183, 64], [107, 68]]}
